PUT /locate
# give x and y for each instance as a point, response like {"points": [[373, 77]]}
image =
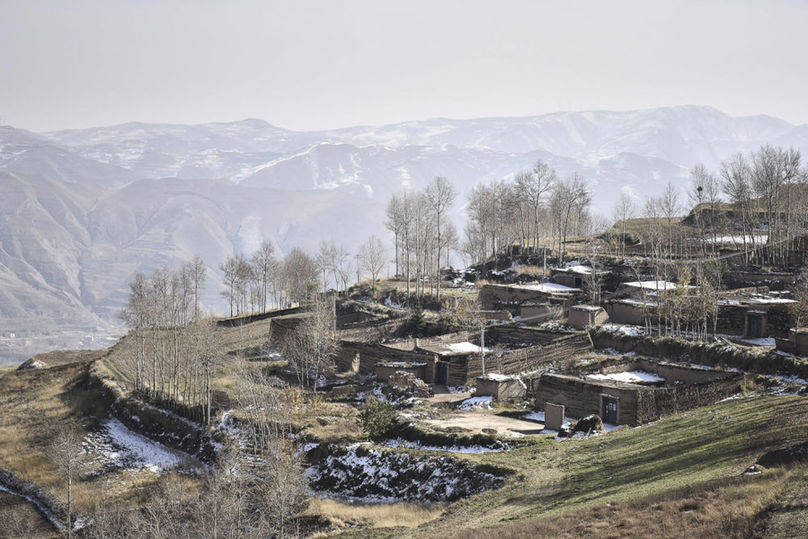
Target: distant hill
{"points": [[83, 210]]}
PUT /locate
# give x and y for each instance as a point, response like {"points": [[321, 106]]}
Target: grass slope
{"points": [[678, 476]]}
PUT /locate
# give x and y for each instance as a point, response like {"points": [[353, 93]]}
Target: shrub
{"points": [[378, 418]]}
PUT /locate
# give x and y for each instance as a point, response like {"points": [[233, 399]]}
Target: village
{"points": [[400, 401]]}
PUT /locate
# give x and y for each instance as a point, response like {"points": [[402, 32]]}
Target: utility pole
{"points": [[482, 343], [357, 269]]}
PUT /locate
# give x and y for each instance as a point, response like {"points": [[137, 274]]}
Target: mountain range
{"points": [[82, 210]]}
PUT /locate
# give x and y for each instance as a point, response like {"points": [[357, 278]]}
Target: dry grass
{"points": [[724, 508], [64, 357], [20, 519], [396, 515], [36, 403]]}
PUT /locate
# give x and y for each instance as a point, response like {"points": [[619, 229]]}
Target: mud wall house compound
{"points": [[456, 359], [577, 276], [635, 392], [535, 300], [750, 312]]}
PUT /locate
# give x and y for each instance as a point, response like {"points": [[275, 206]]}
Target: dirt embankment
{"points": [[153, 422], [46, 504]]}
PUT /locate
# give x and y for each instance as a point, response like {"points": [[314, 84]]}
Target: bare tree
{"points": [[67, 453], [396, 224], [310, 348], [570, 197], [230, 273], [533, 187], [265, 265], [197, 273], [300, 275], [441, 195], [623, 211], [372, 258]]}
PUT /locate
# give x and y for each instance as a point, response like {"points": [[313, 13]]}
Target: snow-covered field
{"points": [[117, 446], [620, 329], [476, 402]]}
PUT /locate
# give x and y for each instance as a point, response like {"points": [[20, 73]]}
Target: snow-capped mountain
{"points": [[83, 210]]}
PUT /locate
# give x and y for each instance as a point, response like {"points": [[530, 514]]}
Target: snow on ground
{"points": [[621, 329], [578, 268], [117, 446], [737, 239], [764, 341], [390, 303], [631, 377], [538, 415], [400, 443], [476, 402], [359, 473]]}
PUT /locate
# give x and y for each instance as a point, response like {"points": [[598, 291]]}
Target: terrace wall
{"points": [[250, 318], [714, 354]]}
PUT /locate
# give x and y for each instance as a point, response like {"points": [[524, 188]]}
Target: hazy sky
{"points": [[309, 65]]}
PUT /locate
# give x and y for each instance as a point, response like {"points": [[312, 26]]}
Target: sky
{"points": [[317, 65]]}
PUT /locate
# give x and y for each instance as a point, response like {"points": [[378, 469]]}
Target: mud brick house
{"points": [[535, 300], [637, 301], [585, 316], [355, 325], [577, 276], [456, 359], [755, 314], [652, 289], [636, 391], [796, 343]]}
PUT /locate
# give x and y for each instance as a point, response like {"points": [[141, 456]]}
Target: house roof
{"points": [[656, 285], [547, 288], [580, 270]]}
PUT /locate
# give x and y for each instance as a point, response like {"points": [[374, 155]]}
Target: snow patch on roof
{"points": [[631, 377]]}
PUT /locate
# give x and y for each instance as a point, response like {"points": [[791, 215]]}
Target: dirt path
{"points": [[476, 421]]}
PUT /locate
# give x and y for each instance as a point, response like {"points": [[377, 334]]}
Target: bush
{"points": [[378, 418]]}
